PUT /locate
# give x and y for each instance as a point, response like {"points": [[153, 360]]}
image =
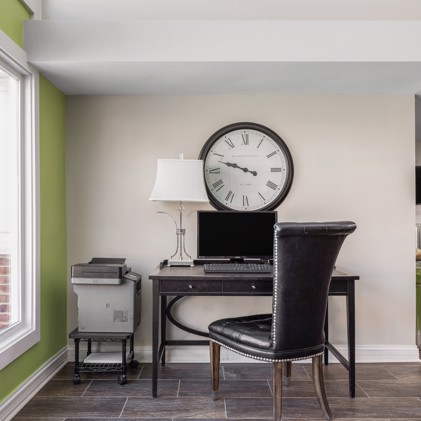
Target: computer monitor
{"points": [[235, 235]]}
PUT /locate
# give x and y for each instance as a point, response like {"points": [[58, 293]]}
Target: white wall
{"points": [[354, 159]]}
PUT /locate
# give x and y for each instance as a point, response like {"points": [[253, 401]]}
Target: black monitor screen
{"points": [[230, 234]]}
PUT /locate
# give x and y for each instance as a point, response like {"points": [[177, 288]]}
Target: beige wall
{"points": [[354, 159]]}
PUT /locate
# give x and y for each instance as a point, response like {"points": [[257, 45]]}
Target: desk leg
{"points": [[350, 303], [155, 334], [326, 353], [163, 325]]}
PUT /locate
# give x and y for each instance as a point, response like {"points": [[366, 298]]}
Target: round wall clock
{"points": [[247, 167]]}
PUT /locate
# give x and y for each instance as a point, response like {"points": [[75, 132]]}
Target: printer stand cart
{"points": [[89, 364]]}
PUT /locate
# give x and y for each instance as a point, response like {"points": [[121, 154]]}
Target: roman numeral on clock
{"points": [[271, 185], [215, 170], [271, 154], [245, 200], [218, 185], [229, 197], [276, 170], [245, 138], [229, 143]]}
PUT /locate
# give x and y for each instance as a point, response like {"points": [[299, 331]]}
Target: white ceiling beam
{"points": [[233, 57], [231, 41], [231, 9]]}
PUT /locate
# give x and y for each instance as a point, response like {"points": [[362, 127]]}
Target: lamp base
{"points": [[171, 262]]}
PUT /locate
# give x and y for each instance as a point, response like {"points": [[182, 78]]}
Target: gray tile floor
{"points": [[384, 392]]}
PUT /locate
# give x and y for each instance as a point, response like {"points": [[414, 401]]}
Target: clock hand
{"points": [[234, 165], [230, 164], [247, 170]]}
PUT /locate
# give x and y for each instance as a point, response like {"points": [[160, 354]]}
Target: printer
{"points": [[109, 295]]}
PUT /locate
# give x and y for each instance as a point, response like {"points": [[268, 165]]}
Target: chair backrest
{"points": [[304, 258]]}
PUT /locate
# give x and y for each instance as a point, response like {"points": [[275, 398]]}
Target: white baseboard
{"points": [[200, 354], [26, 391], [363, 354], [384, 353]]}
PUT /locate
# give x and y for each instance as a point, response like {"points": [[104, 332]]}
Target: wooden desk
{"points": [[181, 282]]}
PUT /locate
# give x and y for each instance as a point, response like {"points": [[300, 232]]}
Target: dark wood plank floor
{"points": [[384, 392]]}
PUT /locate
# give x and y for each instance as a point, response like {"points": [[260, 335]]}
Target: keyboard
{"points": [[238, 267]]}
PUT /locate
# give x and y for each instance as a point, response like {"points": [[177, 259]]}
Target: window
{"points": [[9, 226], [19, 245]]}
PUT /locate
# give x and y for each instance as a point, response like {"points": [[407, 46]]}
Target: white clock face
{"points": [[247, 169]]}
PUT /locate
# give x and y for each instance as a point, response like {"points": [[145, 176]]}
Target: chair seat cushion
{"points": [[251, 336], [250, 330]]}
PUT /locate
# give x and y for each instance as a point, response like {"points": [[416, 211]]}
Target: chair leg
{"points": [[287, 365], [214, 349], [319, 386], [277, 391]]}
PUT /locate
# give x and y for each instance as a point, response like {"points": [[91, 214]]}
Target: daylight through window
{"points": [[9, 201]]}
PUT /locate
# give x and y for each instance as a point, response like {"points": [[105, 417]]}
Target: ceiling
{"points": [[231, 9], [228, 46]]}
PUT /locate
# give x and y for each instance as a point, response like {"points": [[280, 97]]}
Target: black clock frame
{"points": [[268, 132]]}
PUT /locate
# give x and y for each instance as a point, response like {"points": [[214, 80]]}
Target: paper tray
{"points": [[105, 358]]}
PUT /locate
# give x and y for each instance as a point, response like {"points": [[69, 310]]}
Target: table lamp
{"points": [[179, 180]]}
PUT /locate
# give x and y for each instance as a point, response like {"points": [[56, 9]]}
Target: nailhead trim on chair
{"points": [[267, 359], [275, 290]]}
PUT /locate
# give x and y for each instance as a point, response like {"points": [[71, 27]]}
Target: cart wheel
{"points": [[76, 379], [122, 379], [133, 363]]}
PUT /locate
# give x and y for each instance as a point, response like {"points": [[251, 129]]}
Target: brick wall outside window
{"points": [[4, 291]]}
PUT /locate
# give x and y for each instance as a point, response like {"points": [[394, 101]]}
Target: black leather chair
{"points": [[304, 258]]}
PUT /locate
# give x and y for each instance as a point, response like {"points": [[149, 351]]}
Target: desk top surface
{"points": [[196, 273]]}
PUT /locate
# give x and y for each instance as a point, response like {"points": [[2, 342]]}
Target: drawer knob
{"points": [[190, 286], [253, 286]]}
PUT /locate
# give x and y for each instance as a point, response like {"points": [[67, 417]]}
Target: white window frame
{"points": [[17, 339]]}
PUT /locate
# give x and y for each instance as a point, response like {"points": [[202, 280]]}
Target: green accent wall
{"points": [[53, 281], [12, 15]]}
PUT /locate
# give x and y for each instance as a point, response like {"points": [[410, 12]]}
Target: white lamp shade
{"points": [[179, 180]]}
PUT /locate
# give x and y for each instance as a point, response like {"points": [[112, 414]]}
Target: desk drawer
{"points": [[192, 287], [248, 287]]}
